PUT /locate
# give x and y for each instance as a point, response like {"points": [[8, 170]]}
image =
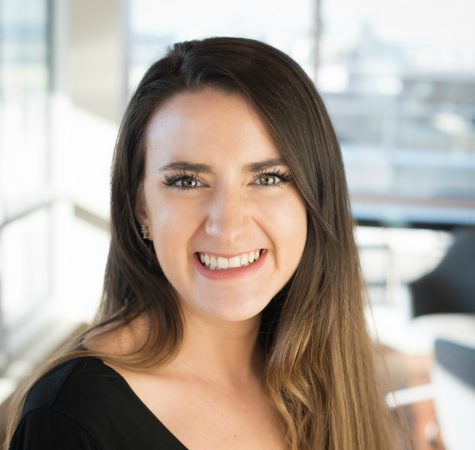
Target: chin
{"points": [[229, 313]]}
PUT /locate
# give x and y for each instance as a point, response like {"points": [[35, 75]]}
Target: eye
{"points": [[182, 180], [272, 178]]}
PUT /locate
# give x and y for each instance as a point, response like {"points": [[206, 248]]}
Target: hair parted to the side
{"points": [[319, 371]]}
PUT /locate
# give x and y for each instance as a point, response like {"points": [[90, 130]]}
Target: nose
{"points": [[227, 216]]}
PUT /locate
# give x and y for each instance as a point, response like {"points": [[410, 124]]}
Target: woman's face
{"points": [[205, 197]]}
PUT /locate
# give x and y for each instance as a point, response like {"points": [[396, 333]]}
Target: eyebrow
{"points": [[205, 168]]}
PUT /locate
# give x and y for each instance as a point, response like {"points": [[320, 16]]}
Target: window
{"points": [[398, 79], [25, 249], [155, 25]]}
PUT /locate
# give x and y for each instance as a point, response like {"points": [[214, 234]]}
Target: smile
{"points": [[242, 270], [213, 262]]}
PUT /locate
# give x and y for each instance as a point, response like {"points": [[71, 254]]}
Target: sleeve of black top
{"points": [[46, 429]]}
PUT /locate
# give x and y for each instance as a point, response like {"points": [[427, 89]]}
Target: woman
{"points": [[232, 314]]}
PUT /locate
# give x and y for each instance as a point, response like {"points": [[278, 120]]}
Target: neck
{"points": [[224, 354]]}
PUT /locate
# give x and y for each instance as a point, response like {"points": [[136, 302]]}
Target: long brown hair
{"points": [[319, 371]]}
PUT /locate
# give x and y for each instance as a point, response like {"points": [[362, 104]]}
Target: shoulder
{"points": [[57, 405], [71, 388], [44, 428]]}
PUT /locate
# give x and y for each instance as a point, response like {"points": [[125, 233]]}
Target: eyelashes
{"points": [[183, 180]]}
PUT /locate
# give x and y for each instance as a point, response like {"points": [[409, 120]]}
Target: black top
{"points": [[83, 404]]}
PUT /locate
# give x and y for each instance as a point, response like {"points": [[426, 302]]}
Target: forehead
{"points": [[207, 123]]}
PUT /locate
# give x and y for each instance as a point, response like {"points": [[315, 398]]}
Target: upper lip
{"points": [[229, 255]]}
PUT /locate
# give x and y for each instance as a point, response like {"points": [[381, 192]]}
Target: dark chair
{"points": [[450, 287]]}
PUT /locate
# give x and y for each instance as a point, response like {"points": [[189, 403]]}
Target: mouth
{"points": [[217, 262], [217, 271]]}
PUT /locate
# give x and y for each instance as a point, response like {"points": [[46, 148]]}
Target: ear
{"points": [[141, 207]]}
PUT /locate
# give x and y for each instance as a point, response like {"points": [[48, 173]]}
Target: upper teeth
{"points": [[219, 262]]}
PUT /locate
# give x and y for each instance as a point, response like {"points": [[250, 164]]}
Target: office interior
{"points": [[398, 79]]}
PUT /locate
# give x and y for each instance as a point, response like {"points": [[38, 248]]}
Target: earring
{"points": [[145, 231]]}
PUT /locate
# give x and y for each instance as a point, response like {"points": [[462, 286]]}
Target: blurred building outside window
{"points": [[154, 26], [398, 78]]}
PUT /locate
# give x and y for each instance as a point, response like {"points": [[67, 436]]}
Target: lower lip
{"points": [[235, 272]]}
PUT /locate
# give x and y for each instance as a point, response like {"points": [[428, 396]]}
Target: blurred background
{"points": [[398, 78]]}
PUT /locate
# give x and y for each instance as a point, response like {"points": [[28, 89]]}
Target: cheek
{"points": [[173, 222], [286, 220], [289, 217], [172, 229]]}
